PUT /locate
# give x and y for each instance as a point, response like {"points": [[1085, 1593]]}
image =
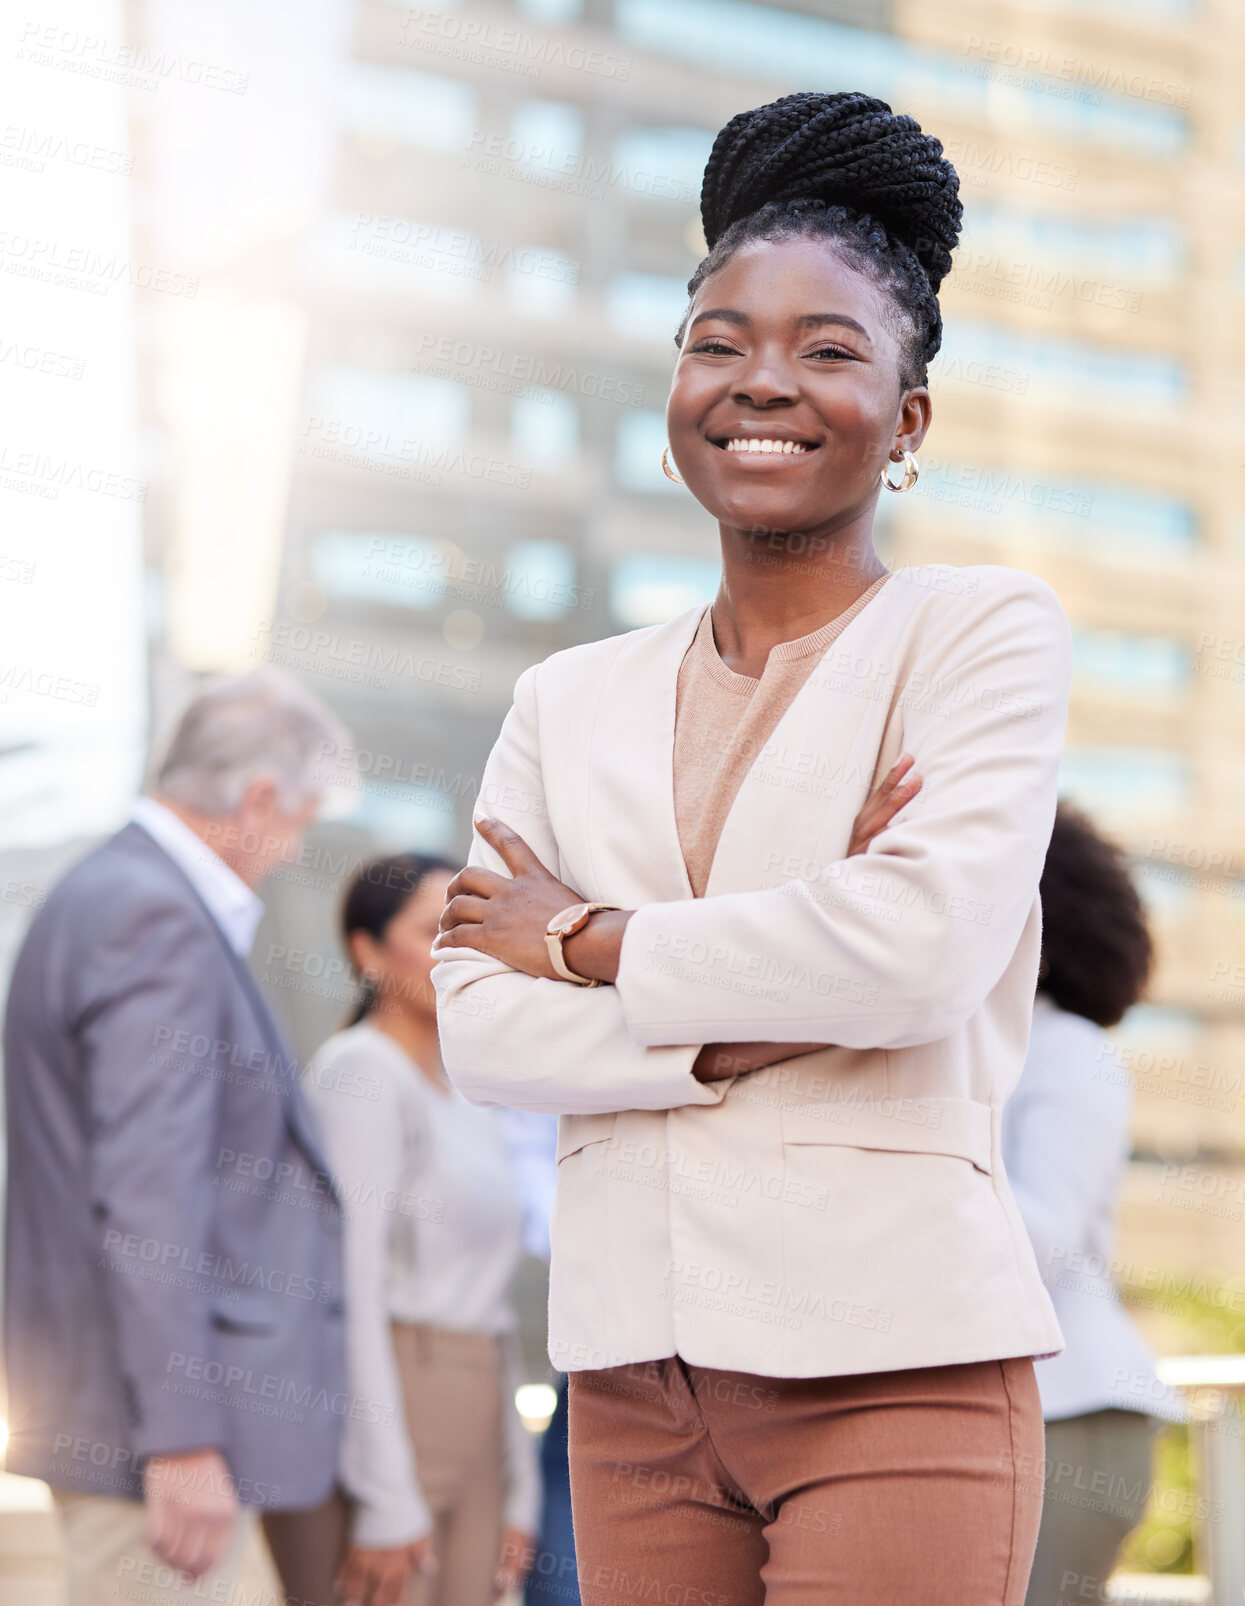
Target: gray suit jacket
{"points": [[173, 1242]]}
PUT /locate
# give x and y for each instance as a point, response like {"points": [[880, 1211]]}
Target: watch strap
{"points": [[555, 939]]}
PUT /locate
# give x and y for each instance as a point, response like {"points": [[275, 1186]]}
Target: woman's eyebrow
{"points": [[724, 314], [810, 320], [814, 320]]}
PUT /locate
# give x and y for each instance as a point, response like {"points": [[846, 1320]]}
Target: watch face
{"points": [[568, 920]]}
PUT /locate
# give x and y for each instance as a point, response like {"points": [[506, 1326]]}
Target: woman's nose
{"points": [[765, 383]]}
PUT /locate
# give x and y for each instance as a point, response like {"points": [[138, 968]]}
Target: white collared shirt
{"points": [[231, 903]]}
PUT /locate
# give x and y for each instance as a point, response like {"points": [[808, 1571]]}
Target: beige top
{"points": [[723, 720]]}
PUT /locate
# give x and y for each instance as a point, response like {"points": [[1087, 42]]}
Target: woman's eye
{"points": [[831, 352], [716, 348]]}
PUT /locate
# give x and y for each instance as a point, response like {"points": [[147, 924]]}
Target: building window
{"points": [[414, 108], [1117, 783], [546, 136], [646, 306], [396, 256], [551, 11], [396, 571], [1090, 513], [1001, 359], [1134, 250], [544, 426], [540, 580], [647, 588], [795, 49], [666, 164], [637, 453], [402, 818], [1112, 661], [540, 282], [398, 417]]}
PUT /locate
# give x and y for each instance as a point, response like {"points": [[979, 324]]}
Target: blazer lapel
{"points": [[633, 840], [817, 766]]}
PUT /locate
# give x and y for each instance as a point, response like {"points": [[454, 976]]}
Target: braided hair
{"points": [[845, 168]]}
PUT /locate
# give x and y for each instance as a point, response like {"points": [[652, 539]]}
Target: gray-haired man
{"points": [[172, 1271]]}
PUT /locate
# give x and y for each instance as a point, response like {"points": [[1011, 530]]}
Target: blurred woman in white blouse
{"points": [[439, 1472], [1066, 1141]]}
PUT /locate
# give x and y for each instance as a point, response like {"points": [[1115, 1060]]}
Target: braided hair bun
{"points": [[846, 150], [842, 166]]}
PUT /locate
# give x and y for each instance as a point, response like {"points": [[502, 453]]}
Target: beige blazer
{"points": [[845, 1211]]}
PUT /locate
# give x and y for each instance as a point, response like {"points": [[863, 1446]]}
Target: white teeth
{"points": [[783, 448]]}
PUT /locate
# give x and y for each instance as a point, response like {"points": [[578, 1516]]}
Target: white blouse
{"points": [[1065, 1146], [433, 1233]]}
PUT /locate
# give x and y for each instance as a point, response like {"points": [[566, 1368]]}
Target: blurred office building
{"points": [[404, 339]]}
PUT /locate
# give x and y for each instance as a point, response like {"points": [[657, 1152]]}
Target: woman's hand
{"points": [[505, 916], [518, 1554], [370, 1576], [882, 805], [717, 1062]]}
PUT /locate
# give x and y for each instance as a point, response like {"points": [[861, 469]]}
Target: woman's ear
{"points": [[916, 410], [365, 953]]}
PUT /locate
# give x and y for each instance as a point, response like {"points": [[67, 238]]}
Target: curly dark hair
{"points": [[1096, 950], [845, 168]]}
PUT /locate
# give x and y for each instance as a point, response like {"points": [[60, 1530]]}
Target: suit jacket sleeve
{"points": [[983, 714], [154, 1030], [537, 1044]]}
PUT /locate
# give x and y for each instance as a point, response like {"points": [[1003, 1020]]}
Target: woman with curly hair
{"points": [[1066, 1143], [789, 1280]]}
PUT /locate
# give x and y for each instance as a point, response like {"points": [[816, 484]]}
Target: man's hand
{"points": [[518, 1555], [371, 1576], [192, 1506]]}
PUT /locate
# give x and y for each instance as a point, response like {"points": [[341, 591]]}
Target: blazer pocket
{"points": [[248, 1313], [577, 1131], [960, 1128]]}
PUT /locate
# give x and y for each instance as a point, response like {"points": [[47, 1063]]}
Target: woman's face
{"points": [[788, 345], [401, 962]]}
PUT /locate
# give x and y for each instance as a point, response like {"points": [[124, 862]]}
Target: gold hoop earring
{"points": [[911, 473], [665, 466]]}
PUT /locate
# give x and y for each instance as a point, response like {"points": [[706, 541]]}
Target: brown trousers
{"points": [[452, 1394], [715, 1488]]}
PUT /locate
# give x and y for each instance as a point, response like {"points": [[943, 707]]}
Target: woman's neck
{"points": [[415, 1033], [777, 588]]}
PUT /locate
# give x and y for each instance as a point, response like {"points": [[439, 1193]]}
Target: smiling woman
{"points": [[752, 905]]}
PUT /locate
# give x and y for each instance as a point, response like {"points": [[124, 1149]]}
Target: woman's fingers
{"points": [[352, 1578], [895, 774], [462, 911], [515, 853], [896, 789], [477, 882]]}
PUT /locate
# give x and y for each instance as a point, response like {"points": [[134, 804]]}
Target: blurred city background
{"points": [[337, 334]]}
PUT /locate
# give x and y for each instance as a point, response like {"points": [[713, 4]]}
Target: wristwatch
{"points": [[566, 925]]}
